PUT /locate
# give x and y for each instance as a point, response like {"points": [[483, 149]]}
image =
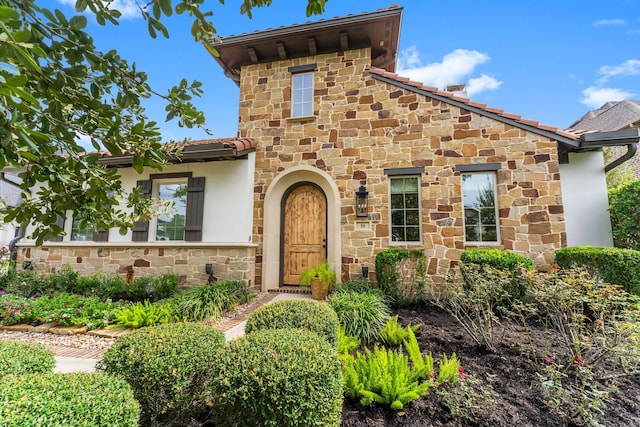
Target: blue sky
{"points": [[547, 60]]}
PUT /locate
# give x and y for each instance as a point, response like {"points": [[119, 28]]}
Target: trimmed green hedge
{"points": [[501, 260], [61, 400], [612, 265], [400, 275], [277, 377], [497, 258], [166, 367], [25, 358], [313, 316]]}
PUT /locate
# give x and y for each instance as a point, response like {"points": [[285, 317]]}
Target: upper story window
{"points": [[302, 99], [302, 89], [480, 210], [170, 223], [405, 209]]}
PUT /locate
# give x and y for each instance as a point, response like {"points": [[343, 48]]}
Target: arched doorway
{"points": [[304, 231]]}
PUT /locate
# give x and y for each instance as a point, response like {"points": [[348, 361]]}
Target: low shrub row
{"points": [[206, 303], [104, 286], [611, 265]]}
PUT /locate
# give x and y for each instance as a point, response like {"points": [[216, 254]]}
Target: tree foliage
{"points": [[624, 208], [56, 87]]}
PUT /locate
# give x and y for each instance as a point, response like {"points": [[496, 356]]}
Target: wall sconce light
{"points": [[365, 272], [362, 202], [208, 268]]}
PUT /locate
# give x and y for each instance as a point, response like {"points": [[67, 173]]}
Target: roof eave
{"points": [[191, 156]]}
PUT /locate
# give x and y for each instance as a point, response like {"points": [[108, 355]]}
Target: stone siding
{"points": [[362, 126], [188, 262]]}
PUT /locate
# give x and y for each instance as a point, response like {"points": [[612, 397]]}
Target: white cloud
{"points": [[595, 97], [454, 68], [607, 22], [630, 67], [482, 84], [128, 8]]}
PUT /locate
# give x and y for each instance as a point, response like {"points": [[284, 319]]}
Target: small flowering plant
{"points": [[60, 309], [449, 369]]}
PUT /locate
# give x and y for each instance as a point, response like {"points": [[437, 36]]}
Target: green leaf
{"points": [[165, 5], [81, 5], [7, 13], [78, 22]]}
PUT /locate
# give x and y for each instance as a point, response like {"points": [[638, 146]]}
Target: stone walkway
{"points": [[70, 345]]}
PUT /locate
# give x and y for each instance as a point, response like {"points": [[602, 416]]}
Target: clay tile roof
{"points": [[478, 107], [194, 151]]}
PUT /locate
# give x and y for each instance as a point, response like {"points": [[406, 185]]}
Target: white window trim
{"points": [[155, 194], [411, 242], [464, 216]]}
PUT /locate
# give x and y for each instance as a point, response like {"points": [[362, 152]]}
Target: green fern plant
{"points": [[448, 369], [422, 365], [141, 314], [346, 343], [393, 333], [383, 376]]}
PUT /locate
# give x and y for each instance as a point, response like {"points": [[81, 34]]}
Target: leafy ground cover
{"points": [[518, 399]]}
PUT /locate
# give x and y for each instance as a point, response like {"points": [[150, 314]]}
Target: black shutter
{"points": [[60, 223], [141, 228], [195, 210], [101, 235]]}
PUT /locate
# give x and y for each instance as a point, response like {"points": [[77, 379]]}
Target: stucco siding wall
{"points": [[586, 206], [226, 234]]}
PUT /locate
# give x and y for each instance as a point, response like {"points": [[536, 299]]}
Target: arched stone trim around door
{"points": [[273, 215]]}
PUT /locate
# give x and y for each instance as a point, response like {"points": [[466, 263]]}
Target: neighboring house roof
{"points": [[378, 30], [202, 150], [614, 115]]}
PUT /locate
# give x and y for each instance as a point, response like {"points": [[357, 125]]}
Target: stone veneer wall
{"points": [[236, 263], [362, 126]]}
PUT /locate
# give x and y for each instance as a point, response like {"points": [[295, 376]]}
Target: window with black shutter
{"points": [[140, 230]]}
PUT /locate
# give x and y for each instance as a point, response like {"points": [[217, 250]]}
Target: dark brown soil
{"points": [[519, 399]]}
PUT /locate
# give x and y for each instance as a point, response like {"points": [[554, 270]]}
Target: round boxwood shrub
{"points": [[361, 314], [166, 367], [79, 399], [313, 316], [25, 358], [277, 377]]}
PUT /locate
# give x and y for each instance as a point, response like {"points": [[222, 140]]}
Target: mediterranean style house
{"points": [[338, 158]]}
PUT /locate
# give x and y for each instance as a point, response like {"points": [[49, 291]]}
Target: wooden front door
{"points": [[305, 231]]}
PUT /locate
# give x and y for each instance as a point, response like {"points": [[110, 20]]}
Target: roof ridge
{"points": [[464, 100]]}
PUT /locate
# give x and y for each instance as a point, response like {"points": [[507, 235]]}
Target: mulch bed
{"points": [[519, 398]]}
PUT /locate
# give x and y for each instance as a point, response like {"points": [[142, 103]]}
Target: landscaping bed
{"points": [[519, 399]]}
